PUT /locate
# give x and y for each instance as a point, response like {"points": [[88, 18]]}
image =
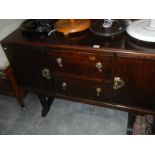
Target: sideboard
{"points": [[116, 72]]}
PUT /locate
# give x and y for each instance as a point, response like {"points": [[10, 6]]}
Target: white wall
{"points": [[6, 27]]}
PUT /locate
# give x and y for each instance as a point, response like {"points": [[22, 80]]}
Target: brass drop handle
{"points": [[64, 85], [46, 73], [118, 83], [59, 62], [98, 91], [99, 66]]}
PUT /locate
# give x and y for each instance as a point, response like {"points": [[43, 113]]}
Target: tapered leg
{"points": [[131, 120], [149, 129], [153, 130], [145, 124], [46, 103], [17, 90]]}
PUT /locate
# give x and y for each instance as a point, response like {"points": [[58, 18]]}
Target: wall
{"points": [[6, 27]]}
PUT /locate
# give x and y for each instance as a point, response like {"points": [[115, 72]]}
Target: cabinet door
{"points": [[139, 82], [29, 66]]}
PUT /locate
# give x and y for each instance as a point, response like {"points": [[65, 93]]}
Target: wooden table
{"points": [[117, 72]]}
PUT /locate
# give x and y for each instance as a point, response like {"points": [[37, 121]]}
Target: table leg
{"points": [[153, 130], [18, 93], [131, 120], [46, 103]]}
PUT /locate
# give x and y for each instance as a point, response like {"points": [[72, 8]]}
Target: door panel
{"points": [[28, 65], [139, 78]]}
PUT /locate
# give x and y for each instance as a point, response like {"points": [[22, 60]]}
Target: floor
{"points": [[64, 118]]}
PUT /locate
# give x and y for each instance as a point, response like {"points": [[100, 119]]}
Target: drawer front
{"points": [[81, 64], [81, 88]]}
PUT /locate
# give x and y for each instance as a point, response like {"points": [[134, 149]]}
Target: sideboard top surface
{"points": [[84, 40]]}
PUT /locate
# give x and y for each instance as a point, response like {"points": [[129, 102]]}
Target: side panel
{"points": [[28, 64]]}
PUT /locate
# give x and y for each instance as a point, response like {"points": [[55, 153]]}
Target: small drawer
{"points": [[81, 88], [82, 64]]}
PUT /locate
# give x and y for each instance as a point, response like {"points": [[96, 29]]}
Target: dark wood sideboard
{"points": [[116, 72]]}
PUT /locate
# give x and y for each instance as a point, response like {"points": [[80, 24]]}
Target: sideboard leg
{"points": [[46, 103], [153, 130], [131, 120], [150, 125], [18, 93]]}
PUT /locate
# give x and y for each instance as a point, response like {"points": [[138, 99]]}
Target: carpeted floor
{"points": [[65, 117]]}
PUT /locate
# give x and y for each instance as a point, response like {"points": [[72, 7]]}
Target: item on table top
{"points": [[143, 30], [148, 47], [37, 25], [108, 27], [67, 26]]}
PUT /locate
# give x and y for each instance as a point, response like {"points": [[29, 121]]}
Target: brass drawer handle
{"points": [[46, 73], [98, 91], [118, 83], [59, 62], [99, 66], [64, 85]]}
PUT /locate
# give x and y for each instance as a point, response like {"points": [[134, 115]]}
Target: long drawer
{"points": [[81, 64], [69, 86]]}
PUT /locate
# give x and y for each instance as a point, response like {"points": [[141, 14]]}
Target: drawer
{"points": [[81, 88], [82, 64]]}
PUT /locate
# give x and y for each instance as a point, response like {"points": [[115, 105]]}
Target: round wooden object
{"points": [[67, 26]]}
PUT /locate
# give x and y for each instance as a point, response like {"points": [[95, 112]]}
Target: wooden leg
{"points": [[145, 124], [150, 125], [13, 82], [46, 103], [131, 120], [153, 130]]}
